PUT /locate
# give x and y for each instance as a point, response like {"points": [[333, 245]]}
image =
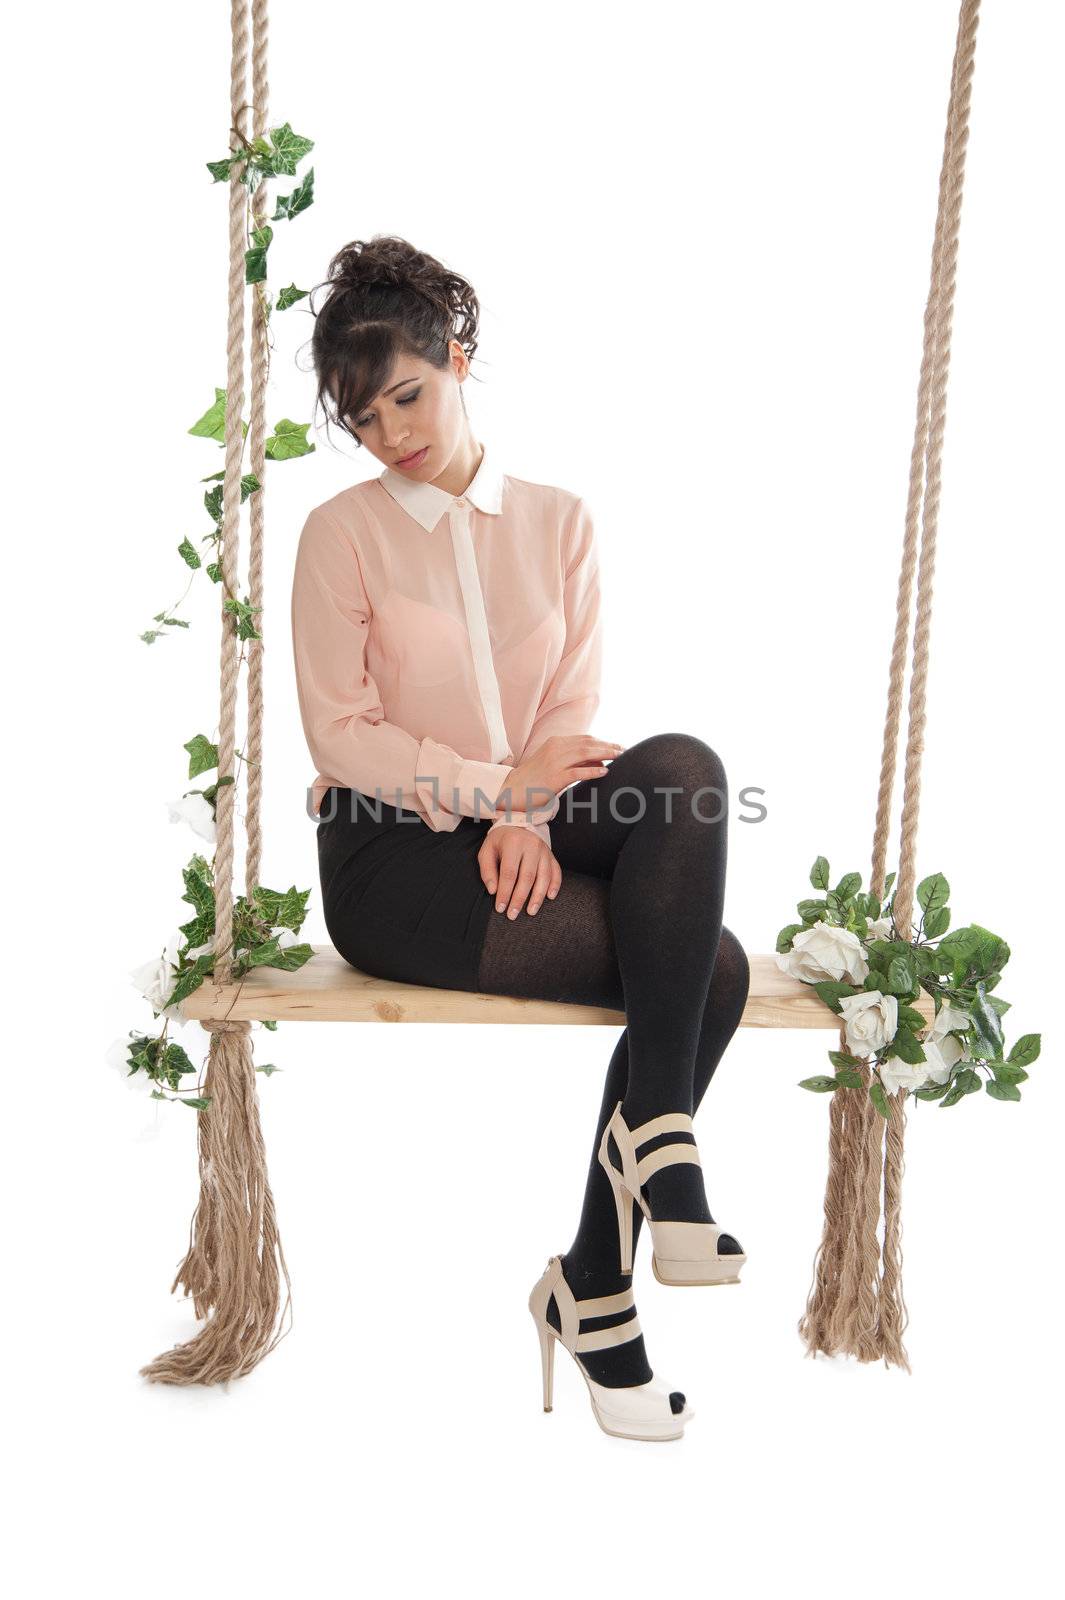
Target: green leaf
{"points": [[888, 881], [986, 1027], [289, 441], [212, 425], [271, 1022], [931, 1091], [1026, 1050], [933, 892], [819, 873], [198, 1102], [819, 1084], [906, 1047], [302, 196], [848, 885], [213, 571], [843, 1060], [849, 1080], [254, 266], [937, 922], [288, 150], [268, 1068], [832, 991], [786, 935], [901, 976], [288, 297], [879, 1098], [1006, 1072], [187, 551], [911, 1017], [203, 755], [968, 1081], [219, 170], [1002, 1091]]}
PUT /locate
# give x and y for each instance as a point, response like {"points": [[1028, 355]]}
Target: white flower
{"points": [[155, 979], [871, 1020], [285, 937], [940, 1046], [896, 1074], [118, 1057], [197, 812], [882, 928], [200, 950], [824, 951]]}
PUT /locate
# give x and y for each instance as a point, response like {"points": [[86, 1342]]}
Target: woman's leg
{"points": [[636, 927]]}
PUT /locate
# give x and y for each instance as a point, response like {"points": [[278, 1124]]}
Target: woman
{"points": [[473, 834]]}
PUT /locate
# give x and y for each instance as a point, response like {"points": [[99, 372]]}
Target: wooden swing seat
{"points": [[329, 989]]}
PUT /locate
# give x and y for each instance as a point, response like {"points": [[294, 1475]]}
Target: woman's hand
{"points": [[562, 759], [516, 863]]}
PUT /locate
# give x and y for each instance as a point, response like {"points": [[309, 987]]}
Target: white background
{"points": [[701, 239]]}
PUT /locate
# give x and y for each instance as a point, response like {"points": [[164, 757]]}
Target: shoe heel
{"points": [[547, 1364]]}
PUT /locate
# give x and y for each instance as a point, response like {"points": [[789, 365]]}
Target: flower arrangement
{"points": [[265, 928], [869, 972]]}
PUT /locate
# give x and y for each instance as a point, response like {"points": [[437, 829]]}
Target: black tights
{"points": [[636, 927]]}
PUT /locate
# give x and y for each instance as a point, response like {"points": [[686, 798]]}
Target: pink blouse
{"points": [[439, 637]]}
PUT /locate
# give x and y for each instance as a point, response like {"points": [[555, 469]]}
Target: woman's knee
{"points": [[732, 968], [669, 759]]}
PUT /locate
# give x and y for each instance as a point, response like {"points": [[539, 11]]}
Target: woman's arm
{"points": [[347, 733]]}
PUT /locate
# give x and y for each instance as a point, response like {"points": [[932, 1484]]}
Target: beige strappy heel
{"points": [[636, 1411], [684, 1252]]}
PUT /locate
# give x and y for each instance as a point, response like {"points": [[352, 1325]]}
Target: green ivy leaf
{"points": [[198, 1102], [289, 440], [188, 553], [288, 151], [212, 425], [302, 196], [203, 755], [288, 297]]}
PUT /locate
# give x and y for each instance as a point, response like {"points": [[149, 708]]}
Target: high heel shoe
{"points": [[638, 1411], [684, 1252]]}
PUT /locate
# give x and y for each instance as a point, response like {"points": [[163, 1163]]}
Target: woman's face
{"points": [[418, 410]]}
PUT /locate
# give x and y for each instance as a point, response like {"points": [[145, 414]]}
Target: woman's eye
{"points": [[407, 400]]}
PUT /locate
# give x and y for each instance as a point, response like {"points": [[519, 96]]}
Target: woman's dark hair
{"points": [[386, 299]]}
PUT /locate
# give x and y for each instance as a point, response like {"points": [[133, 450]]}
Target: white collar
{"points": [[427, 502]]}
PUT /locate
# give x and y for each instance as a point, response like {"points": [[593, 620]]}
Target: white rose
{"points": [[197, 812], [824, 951], [118, 1057], [940, 1046], [882, 928], [155, 979], [871, 1020], [896, 1074]]}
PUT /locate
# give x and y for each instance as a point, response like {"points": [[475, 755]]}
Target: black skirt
{"points": [[401, 900]]}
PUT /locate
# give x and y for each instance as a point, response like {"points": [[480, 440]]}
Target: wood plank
{"points": [[328, 989]]}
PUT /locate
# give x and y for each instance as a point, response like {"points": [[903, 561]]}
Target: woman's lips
{"points": [[415, 460]]}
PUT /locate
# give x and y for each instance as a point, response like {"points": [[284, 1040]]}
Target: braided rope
{"points": [[856, 1303], [234, 1263]]}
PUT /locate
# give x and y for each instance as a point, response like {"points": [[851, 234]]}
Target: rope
{"points": [[234, 1263], [257, 462], [856, 1305]]}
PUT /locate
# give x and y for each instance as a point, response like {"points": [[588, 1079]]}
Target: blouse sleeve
{"points": [[347, 733], [571, 699]]}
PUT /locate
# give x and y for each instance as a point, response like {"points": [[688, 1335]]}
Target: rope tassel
{"points": [[234, 1265]]}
